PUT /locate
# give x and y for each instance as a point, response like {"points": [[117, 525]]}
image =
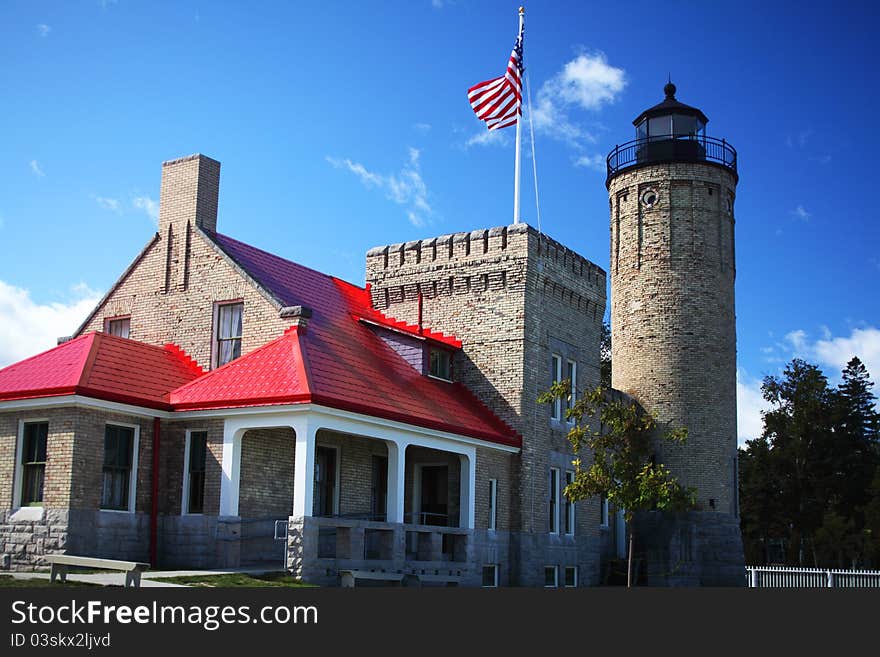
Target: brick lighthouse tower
{"points": [[672, 267]]}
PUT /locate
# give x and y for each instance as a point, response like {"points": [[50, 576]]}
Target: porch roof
{"points": [[103, 367]]}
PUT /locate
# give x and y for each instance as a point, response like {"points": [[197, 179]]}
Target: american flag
{"points": [[498, 102]]}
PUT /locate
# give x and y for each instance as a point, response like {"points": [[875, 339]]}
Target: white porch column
{"points": [[467, 485], [304, 466], [396, 481], [231, 469]]}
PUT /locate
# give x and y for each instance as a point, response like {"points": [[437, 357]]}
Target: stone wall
{"points": [[512, 296], [672, 315]]}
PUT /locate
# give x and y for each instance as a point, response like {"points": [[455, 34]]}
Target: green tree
{"points": [[619, 436], [798, 428]]}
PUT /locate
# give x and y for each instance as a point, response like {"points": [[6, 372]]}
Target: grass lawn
{"points": [[236, 580], [8, 581]]}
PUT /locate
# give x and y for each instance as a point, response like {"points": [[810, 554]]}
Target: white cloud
{"points": [[801, 213], [108, 203], [587, 82], [406, 187], [35, 167], [422, 127], [596, 162], [28, 327], [835, 352], [147, 205], [488, 138], [749, 405], [438, 4], [43, 30]]}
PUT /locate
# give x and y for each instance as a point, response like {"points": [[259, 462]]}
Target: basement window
{"points": [[118, 326], [440, 364]]}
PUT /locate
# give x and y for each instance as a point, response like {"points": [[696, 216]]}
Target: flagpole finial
{"points": [[522, 10]]}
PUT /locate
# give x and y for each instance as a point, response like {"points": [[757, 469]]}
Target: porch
{"points": [[359, 494]]}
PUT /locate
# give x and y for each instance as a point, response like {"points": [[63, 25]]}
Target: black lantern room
{"points": [[671, 132]]}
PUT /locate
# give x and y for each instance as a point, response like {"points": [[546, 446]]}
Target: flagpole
{"points": [[516, 166]]}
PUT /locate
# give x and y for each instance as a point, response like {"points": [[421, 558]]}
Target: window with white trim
{"points": [[571, 576], [227, 332], [440, 364], [553, 506], [603, 512], [490, 576], [118, 326], [556, 377], [34, 438], [571, 375], [551, 577], [196, 451], [493, 503], [118, 475], [569, 505]]}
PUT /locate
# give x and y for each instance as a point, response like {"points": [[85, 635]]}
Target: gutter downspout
{"points": [[154, 498]]}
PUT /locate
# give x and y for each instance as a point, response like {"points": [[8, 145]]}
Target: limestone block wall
{"points": [[512, 296], [672, 314]]}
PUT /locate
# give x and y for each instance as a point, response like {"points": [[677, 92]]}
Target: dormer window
{"points": [[440, 365], [227, 332], [118, 326]]}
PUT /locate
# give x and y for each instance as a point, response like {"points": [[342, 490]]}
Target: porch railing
{"points": [[788, 577]]}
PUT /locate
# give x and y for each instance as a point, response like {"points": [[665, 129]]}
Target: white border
{"points": [[132, 477], [576, 577], [495, 584], [228, 413]]}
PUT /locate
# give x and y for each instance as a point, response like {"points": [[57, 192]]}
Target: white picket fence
{"points": [[785, 577]]}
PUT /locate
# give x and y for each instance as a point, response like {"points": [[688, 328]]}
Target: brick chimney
{"points": [[190, 188]]}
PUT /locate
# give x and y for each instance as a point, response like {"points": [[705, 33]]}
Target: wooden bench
{"points": [[348, 577], [60, 563]]}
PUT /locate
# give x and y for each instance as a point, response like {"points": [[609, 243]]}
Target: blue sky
{"points": [[345, 125]]}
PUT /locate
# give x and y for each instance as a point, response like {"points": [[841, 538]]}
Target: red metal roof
{"points": [[339, 361], [104, 367]]}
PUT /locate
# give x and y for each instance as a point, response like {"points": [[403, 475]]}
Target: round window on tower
{"points": [[650, 198]]}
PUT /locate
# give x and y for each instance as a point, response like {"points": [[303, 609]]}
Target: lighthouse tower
{"points": [[673, 327]]}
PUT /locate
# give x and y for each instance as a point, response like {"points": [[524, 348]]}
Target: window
{"points": [[571, 576], [603, 511], [441, 364], [554, 500], [571, 375], [551, 577], [118, 474], [326, 482], [556, 376], [490, 576], [33, 462], [569, 505], [118, 326], [228, 330], [493, 503], [194, 477]]}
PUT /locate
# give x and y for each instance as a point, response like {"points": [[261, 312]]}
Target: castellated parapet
{"points": [[672, 314], [513, 296]]}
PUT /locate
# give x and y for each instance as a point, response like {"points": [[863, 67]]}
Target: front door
{"points": [[434, 495]]}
